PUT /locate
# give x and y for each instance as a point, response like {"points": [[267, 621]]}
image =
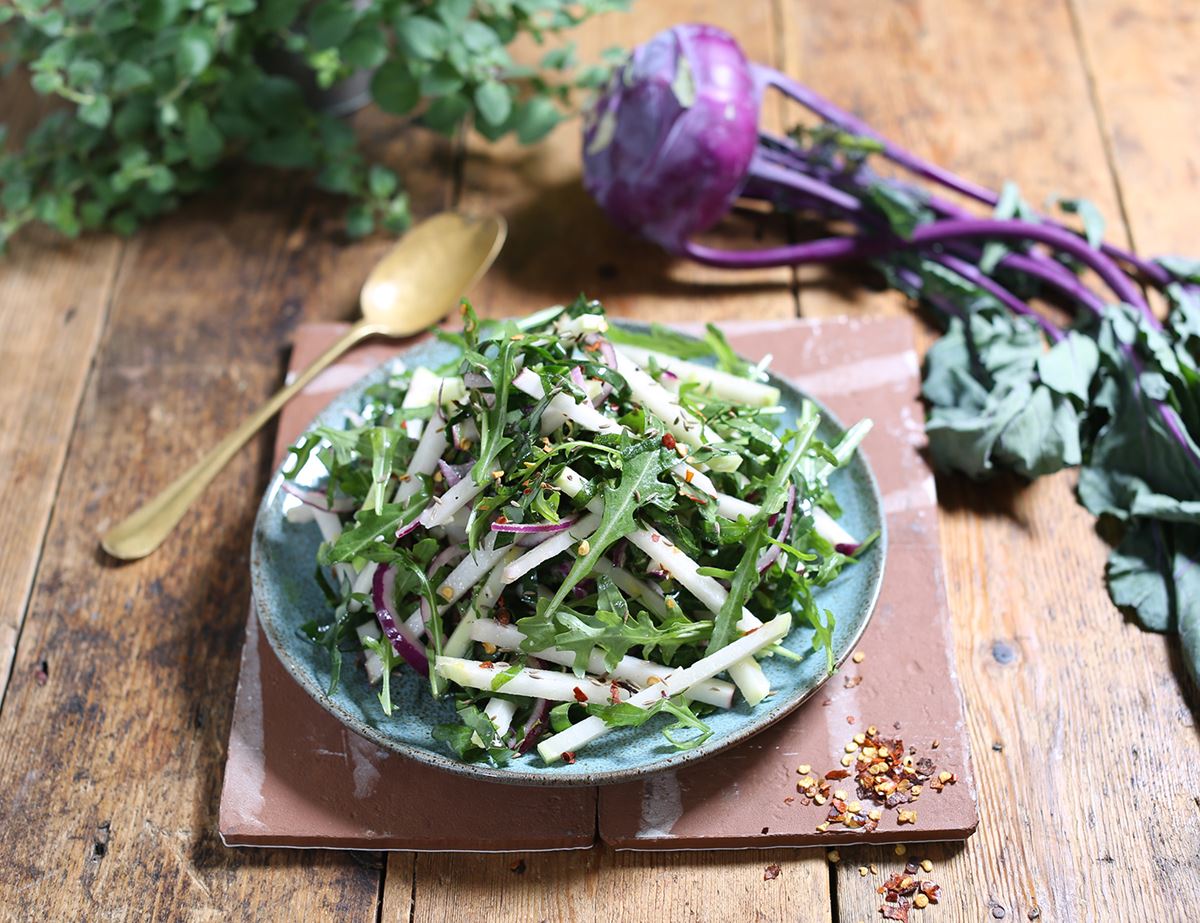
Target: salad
{"points": [[573, 527]]}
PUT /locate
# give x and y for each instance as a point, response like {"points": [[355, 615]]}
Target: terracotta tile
{"points": [[296, 777], [859, 368]]}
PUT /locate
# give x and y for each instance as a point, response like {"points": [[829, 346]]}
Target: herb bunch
{"points": [[157, 94], [569, 525]]}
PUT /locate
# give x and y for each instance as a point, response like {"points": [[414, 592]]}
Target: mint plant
{"points": [[158, 93]]}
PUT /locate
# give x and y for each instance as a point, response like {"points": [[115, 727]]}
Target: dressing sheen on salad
{"points": [[573, 527]]}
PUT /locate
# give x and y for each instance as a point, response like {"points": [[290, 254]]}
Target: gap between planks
{"points": [[27, 534]]}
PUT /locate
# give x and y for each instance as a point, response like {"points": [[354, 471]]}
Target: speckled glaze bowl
{"points": [[286, 596]]}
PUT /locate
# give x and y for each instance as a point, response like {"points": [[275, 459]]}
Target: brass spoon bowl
{"points": [[414, 286]]}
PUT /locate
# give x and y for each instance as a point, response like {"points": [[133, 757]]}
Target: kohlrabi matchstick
{"points": [[527, 681], [577, 736], [633, 670], [721, 385]]}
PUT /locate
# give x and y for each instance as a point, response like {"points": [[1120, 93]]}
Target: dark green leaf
{"points": [[96, 112], [395, 88], [535, 119], [493, 101], [331, 23], [203, 140], [422, 37], [194, 51], [639, 486], [130, 76], [381, 181], [365, 49]]}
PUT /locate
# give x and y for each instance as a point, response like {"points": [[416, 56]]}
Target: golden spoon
{"points": [[414, 286]]}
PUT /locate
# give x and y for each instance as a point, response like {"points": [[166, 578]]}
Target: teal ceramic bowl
{"points": [[286, 596]]}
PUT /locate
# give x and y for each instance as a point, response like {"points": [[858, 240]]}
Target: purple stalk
{"points": [[829, 112], [403, 643], [972, 273], [841, 248], [783, 165]]}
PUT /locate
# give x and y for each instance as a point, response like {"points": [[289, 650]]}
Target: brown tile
{"points": [[859, 368], [296, 777]]}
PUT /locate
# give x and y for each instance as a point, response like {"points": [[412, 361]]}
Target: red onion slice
{"points": [[319, 499], [538, 722], [403, 643], [454, 473], [535, 528], [577, 377], [772, 554], [411, 527]]}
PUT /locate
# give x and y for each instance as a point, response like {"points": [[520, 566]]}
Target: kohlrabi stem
{"points": [[776, 175], [975, 275], [830, 112], [785, 159], [841, 248], [1052, 273]]}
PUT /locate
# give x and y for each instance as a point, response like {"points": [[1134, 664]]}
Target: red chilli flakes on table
{"points": [[904, 890], [885, 775]]}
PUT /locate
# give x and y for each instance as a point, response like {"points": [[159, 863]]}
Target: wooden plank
{"points": [[53, 298], [1141, 61], [560, 244], [612, 887], [113, 757], [1057, 684]]}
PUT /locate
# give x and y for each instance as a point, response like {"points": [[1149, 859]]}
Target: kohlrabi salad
{"points": [[573, 527]]}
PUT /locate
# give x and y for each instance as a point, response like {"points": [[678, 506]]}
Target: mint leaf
{"points": [[493, 101], [394, 88]]}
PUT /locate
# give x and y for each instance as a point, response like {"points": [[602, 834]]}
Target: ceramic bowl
{"points": [[286, 596]]}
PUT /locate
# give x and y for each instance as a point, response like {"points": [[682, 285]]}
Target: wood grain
{"points": [[113, 755], [56, 297], [1081, 706], [619, 887], [53, 299], [1141, 63]]}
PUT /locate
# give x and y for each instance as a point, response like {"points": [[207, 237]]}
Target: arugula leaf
{"points": [[491, 423], [745, 579], [387, 654], [663, 340], [727, 359], [626, 714], [560, 717], [639, 486], [383, 451], [372, 535], [506, 676]]}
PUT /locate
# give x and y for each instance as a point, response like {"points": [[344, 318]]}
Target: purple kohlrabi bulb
{"points": [[667, 144]]}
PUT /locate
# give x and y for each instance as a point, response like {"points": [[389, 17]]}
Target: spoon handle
{"points": [[143, 531]]}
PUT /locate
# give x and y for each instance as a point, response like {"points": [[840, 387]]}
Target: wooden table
{"points": [[122, 359]]}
